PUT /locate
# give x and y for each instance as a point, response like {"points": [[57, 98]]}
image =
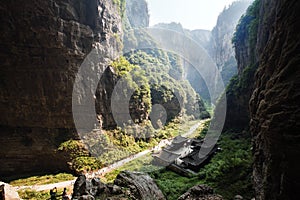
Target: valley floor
{"points": [[112, 169]]}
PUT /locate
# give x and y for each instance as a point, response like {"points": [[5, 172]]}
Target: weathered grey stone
{"points": [[8, 192], [200, 192], [128, 185]]}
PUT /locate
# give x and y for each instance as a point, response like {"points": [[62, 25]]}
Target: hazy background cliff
{"points": [[217, 43]]}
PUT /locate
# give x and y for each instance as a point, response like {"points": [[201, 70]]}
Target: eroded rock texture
{"points": [[137, 13], [128, 185], [200, 192], [275, 112], [43, 43], [222, 50]]}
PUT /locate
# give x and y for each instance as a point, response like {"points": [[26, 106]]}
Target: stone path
{"points": [[105, 170]]}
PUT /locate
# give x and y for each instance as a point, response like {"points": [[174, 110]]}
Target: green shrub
{"points": [[121, 6], [79, 159]]}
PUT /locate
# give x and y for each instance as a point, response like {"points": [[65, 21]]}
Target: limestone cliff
{"points": [[274, 105], [221, 48], [137, 13], [267, 51], [43, 45]]}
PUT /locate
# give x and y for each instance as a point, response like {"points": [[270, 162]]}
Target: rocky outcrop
{"points": [[137, 13], [274, 105], [200, 192], [43, 46], [127, 185], [8, 192], [267, 45]]}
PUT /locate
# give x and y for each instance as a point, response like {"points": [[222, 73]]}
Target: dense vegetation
{"points": [[156, 77], [246, 30], [229, 172], [109, 146], [135, 80], [79, 159], [168, 87]]}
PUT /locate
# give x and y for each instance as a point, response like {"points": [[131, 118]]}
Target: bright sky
{"points": [[192, 14]]}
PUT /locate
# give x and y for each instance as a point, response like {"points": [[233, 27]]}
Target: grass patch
{"points": [[173, 185], [123, 143], [142, 164], [42, 180], [40, 195]]}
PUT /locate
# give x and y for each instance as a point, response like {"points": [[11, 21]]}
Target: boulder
{"points": [[7, 192], [128, 185], [200, 192]]}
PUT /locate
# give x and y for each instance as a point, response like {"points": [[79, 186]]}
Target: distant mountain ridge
{"points": [[217, 43]]}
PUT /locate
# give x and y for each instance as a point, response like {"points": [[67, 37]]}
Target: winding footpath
{"points": [[105, 170]]}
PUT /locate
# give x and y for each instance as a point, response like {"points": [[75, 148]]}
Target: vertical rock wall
{"points": [[274, 106], [43, 44]]}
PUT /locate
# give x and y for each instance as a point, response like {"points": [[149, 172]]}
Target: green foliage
{"points": [[168, 88], [229, 172], [133, 139], [202, 131], [240, 85], [78, 156], [42, 180], [134, 77], [142, 164], [122, 66], [34, 195], [247, 28], [121, 4], [37, 195]]}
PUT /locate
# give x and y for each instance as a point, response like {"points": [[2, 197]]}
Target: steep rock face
{"points": [[222, 50], [202, 37], [43, 45], [137, 13], [240, 88], [128, 185], [274, 106]]}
